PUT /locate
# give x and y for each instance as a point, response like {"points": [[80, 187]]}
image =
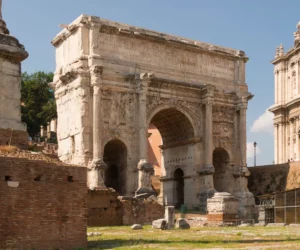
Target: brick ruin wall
{"points": [[274, 178], [14, 137], [141, 211], [48, 208], [105, 208]]}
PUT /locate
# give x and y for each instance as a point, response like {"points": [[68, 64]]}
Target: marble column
{"points": [[96, 167], [243, 136], [276, 143], [297, 139], [207, 189], [145, 169], [291, 153], [208, 135]]}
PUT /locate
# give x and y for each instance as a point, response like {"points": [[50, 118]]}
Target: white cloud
{"points": [[263, 123], [250, 150]]}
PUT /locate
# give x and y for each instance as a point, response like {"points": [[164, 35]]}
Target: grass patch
{"points": [[206, 237]]}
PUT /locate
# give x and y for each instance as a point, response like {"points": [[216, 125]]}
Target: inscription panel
{"points": [[165, 56]]}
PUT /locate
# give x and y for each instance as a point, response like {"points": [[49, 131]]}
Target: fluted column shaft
{"points": [[243, 136], [97, 166], [208, 135]]}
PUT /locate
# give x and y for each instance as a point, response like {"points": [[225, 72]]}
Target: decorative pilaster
{"points": [[96, 167], [94, 45], [145, 169]]}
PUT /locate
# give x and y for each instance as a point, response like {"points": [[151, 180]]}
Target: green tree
{"points": [[37, 101]]}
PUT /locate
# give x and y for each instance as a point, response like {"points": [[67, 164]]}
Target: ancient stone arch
{"points": [[115, 83], [115, 157]]}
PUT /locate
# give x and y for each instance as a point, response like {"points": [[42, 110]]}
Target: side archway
{"points": [[178, 187], [221, 164], [115, 156]]}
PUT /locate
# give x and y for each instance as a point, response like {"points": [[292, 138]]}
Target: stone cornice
{"points": [[277, 107], [11, 48], [287, 56], [110, 26]]}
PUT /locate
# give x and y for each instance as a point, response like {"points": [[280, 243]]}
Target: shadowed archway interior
{"points": [[173, 126], [178, 187], [115, 156], [221, 165]]}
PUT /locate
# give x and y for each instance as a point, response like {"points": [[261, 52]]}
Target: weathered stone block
{"points": [[159, 224], [182, 224]]}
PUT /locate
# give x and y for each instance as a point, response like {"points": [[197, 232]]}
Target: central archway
{"points": [[115, 156], [221, 165], [177, 151]]}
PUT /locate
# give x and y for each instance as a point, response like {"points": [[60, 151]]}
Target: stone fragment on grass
{"points": [[159, 224], [136, 227], [182, 224]]}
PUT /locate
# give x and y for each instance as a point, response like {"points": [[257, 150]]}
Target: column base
{"points": [[203, 196], [96, 172], [241, 172]]}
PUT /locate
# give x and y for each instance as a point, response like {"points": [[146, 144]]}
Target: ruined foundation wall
{"points": [[48, 208], [136, 211], [14, 137], [274, 178], [105, 208]]}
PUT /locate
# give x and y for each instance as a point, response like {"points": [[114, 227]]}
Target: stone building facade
{"points": [[287, 102], [113, 80], [12, 130]]}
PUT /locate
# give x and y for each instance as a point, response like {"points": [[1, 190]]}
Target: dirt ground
{"points": [[253, 237]]}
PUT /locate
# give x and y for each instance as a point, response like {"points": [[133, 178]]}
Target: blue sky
{"points": [[255, 26]]}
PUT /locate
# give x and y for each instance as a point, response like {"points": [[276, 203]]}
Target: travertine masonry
{"points": [[11, 55], [287, 99], [113, 80]]}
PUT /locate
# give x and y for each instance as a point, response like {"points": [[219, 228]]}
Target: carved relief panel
{"points": [[223, 127], [118, 114]]}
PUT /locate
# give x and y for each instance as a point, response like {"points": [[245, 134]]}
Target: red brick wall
{"points": [[45, 214], [140, 211], [104, 208], [15, 137]]}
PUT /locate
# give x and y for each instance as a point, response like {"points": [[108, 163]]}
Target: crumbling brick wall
{"points": [[104, 208], [140, 211], [48, 208], [14, 137], [274, 178]]}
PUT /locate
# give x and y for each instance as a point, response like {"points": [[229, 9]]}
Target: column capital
{"points": [[96, 75], [209, 91]]}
